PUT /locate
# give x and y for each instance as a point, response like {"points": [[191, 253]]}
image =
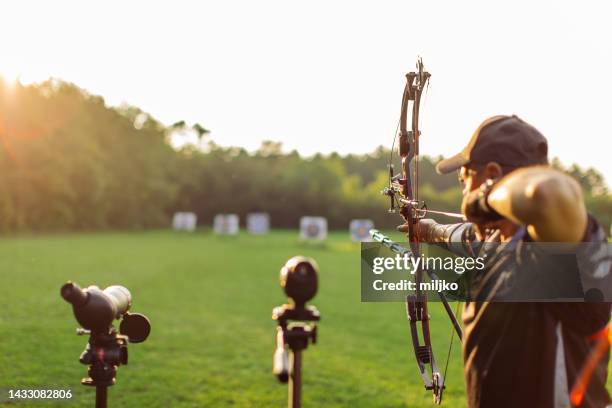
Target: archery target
{"points": [[360, 230], [313, 228], [258, 223], [226, 224], [184, 221]]}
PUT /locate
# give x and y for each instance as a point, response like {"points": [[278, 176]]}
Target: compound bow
{"points": [[404, 195]]}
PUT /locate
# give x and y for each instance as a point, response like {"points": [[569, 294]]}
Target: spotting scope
{"points": [[96, 309]]}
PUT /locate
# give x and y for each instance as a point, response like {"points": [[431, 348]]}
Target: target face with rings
{"points": [[313, 228], [360, 229]]}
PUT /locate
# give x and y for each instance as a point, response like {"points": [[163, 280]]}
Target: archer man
{"points": [[520, 354]]}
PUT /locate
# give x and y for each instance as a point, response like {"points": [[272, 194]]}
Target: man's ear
{"points": [[493, 171]]}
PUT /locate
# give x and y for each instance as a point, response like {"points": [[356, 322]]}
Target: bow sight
{"points": [[95, 310]]}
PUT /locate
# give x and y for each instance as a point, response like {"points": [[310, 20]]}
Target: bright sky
{"points": [[328, 75]]}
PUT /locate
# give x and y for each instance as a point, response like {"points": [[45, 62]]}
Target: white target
{"points": [[313, 228], [258, 223], [184, 221], [226, 224], [360, 230]]}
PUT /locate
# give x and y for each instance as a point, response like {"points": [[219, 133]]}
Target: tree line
{"points": [[69, 162]]}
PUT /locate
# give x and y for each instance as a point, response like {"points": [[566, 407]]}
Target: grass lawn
{"points": [[209, 299]]}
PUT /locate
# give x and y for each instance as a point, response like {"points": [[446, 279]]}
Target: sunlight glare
{"points": [[9, 74]]}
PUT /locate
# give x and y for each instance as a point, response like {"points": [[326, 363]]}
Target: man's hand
{"points": [[475, 205], [425, 229]]}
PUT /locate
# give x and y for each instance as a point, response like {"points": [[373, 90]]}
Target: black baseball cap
{"points": [[506, 140]]}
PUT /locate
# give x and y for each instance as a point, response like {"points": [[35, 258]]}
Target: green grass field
{"points": [[209, 299]]}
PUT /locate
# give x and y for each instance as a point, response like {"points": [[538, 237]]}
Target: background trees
{"points": [[69, 162]]}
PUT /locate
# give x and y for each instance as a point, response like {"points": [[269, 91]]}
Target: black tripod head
{"points": [[299, 280], [296, 321], [96, 310]]}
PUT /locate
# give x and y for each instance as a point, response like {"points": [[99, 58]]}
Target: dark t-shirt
{"points": [[527, 354]]}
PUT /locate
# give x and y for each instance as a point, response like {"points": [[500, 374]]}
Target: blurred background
{"points": [[69, 162]]}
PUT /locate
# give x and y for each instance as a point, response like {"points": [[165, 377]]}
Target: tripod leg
{"points": [[101, 394], [295, 379]]}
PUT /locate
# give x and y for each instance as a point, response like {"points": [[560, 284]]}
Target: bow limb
{"points": [[416, 305], [403, 192]]}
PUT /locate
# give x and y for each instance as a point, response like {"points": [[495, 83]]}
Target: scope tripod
{"points": [[296, 329], [103, 353]]}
